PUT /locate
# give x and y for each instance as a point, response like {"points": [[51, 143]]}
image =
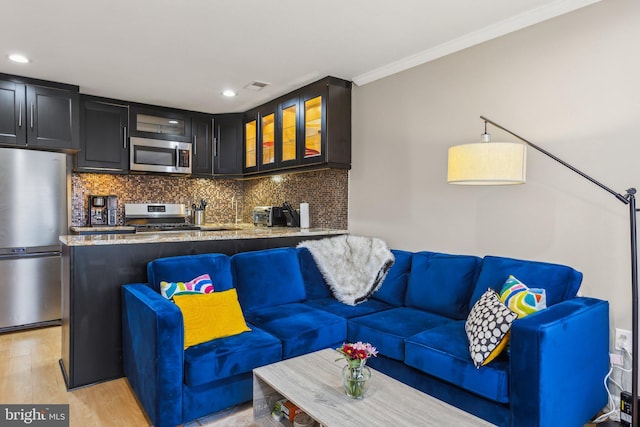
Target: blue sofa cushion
{"points": [[224, 357], [559, 281], [301, 328], [186, 267], [442, 283], [388, 329], [443, 352], [347, 311], [394, 286], [314, 283], [266, 278]]}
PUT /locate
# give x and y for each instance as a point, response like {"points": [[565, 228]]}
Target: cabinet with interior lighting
{"points": [[310, 127], [160, 123], [39, 114], [267, 137], [325, 123], [250, 142]]}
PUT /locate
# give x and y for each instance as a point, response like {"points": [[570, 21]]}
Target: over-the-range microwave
{"points": [[156, 155]]}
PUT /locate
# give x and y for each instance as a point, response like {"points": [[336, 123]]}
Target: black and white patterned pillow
{"points": [[487, 327]]}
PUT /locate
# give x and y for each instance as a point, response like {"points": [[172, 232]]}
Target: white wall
{"points": [[571, 85]]}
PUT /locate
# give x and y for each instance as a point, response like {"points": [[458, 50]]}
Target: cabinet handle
{"points": [[217, 141], [20, 116], [32, 115], [124, 137], [195, 145]]}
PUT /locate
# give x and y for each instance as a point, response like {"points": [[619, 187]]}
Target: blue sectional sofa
{"points": [[551, 375]]}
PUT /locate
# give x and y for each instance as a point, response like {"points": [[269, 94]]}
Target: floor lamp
{"points": [[504, 163]]}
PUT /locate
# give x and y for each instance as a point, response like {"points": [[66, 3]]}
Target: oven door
{"points": [[154, 155]]}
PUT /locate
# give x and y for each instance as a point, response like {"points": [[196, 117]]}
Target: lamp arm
{"points": [[635, 416], [623, 199], [628, 199]]}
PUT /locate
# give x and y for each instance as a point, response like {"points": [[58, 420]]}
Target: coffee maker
{"points": [[102, 210]]}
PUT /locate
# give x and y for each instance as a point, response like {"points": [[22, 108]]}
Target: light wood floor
{"points": [[30, 374]]}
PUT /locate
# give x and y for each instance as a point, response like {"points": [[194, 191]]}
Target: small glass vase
{"points": [[355, 380]]}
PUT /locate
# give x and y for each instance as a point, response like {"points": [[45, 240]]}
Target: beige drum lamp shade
{"points": [[487, 163]]}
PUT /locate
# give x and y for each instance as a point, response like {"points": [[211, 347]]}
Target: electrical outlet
{"points": [[616, 359], [623, 340]]}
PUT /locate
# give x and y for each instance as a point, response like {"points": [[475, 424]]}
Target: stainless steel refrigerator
{"points": [[33, 214]]}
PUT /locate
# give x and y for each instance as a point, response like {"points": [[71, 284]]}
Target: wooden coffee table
{"points": [[313, 383]]}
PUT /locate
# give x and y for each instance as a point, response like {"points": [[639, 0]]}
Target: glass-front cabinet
{"points": [[267, 138], [293, 131], [313, 129], [159, 124], [289, 133], [250, 154]]}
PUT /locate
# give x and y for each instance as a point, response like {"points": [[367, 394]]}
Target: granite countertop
{"points": [[129, 228], [207, 232], [103, 228]]}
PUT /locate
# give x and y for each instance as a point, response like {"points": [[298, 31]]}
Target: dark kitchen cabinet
{"points": [[250, 142], [325, 123], [202, 152], [308, 128], [227, 152], [288, 137], [267, 143], [104, 145], [260, 141], [13, 129], [160, 123], [39, 114]]}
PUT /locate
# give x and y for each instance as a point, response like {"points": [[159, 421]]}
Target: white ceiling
{"points": [[183, 53]]}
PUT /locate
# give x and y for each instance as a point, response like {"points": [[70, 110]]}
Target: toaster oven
{"points": [[269, 216]]}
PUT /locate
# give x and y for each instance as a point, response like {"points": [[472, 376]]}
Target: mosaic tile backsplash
{"points": [[326, 191]]}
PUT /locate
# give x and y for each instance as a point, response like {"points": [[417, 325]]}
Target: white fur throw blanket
{"points": [[353, 266]]}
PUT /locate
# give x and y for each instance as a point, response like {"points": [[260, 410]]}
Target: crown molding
{"points": [[490, 32]]}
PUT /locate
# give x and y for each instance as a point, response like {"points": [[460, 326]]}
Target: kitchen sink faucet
{"points": [[234, 201]]}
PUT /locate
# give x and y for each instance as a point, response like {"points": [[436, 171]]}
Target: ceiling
{"points": [[184, 53]]}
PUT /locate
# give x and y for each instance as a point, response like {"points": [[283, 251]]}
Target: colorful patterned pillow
{"points": [[488, 327], [199, 285], [210, 316], [521, 299]]}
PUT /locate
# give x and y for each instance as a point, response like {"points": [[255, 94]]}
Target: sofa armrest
{"points": [[153, 352], [559, 359]]}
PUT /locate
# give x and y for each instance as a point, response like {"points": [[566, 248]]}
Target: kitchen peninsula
{"points": [[94, 267]]}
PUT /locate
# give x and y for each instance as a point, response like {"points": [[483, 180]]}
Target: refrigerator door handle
{"points": [[30, 250], [29, 255]]}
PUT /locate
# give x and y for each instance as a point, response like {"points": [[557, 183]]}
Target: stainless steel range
{"points": [[154, 217]]}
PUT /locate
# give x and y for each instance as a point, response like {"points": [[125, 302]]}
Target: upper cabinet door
{"points": [[13, 129], [53, 119], [202, 152], [250, 151], [267, 137], [288, 132], [104, 144], [227, 151], [314, 121], [160, 124]]}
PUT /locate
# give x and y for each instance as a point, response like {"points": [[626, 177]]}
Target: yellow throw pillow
{"points": [[210, 316]]}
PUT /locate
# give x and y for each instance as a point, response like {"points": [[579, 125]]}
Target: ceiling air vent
{"points": [[257, 85]]}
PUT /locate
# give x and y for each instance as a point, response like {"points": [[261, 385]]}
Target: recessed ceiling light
{"points": [[173, 122], [16, 57], [228, 93]]}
